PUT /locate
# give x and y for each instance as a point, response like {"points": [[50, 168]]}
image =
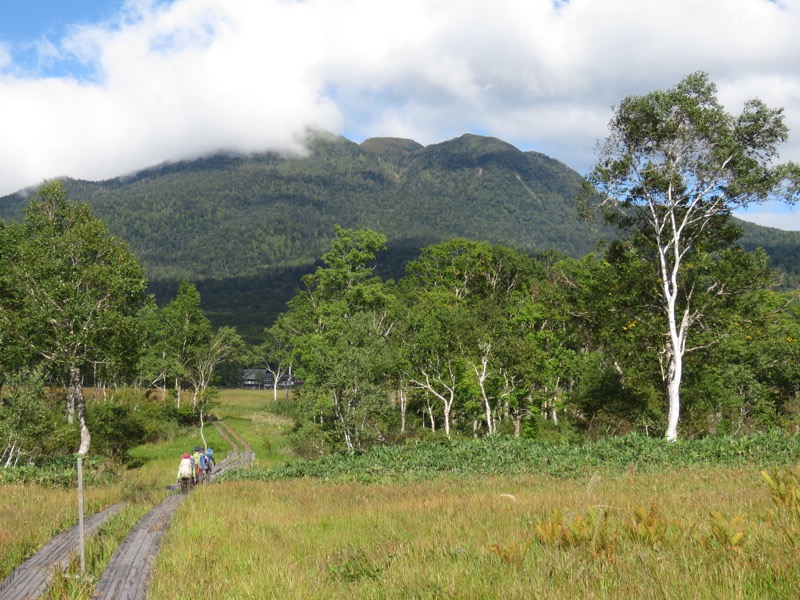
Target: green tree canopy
{"points": [[71, 292], [673, 167]]}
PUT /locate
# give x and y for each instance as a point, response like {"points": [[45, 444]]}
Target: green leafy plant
{"points": [[550, 531], [784, 485], [591, 532]]}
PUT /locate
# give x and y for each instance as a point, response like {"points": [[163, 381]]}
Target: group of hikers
{"points": [[195, 468]]}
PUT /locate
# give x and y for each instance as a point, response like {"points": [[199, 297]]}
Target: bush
{"points": [[62, 472], [115, 429], [309, 440]]}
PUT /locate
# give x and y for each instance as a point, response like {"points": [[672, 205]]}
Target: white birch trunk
{"points": [[403, 396], [76, 393], [482, 374], [177, 393], [70, 409], [447, 397], [10, 455], [669, 255]]}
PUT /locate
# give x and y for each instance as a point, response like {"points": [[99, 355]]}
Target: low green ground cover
{"points": [[512, 456]]}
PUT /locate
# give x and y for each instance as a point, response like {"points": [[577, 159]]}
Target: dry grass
{"points": [[691, 534], [477, 539], [31, 515]]}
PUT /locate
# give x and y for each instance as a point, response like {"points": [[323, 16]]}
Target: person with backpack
{"points": [[210, 462], [200, 464], [186, 473]]}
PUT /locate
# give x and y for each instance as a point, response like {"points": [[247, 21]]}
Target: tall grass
{"points": [[461, 519], [71, 584], [30, 515], [698, 534], [497, 518]]}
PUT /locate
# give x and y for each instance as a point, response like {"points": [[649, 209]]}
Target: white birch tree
{"points": [[673, 167]]}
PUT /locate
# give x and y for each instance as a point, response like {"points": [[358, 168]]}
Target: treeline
{"points": [[472, 340], [478, 339]]}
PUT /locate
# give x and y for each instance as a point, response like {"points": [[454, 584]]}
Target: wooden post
{"points": [[80, 515]]}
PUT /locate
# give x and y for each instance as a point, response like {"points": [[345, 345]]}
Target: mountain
{"points": [[245, 228]]}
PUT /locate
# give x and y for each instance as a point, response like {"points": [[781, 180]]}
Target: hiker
{"points": [[199, 463], [186, 473], [209, 460]]}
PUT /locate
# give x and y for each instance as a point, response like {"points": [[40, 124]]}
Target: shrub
{"points": [[115, 429]]}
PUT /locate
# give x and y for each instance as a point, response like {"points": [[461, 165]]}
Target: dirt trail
{"points": [[128, 573]]}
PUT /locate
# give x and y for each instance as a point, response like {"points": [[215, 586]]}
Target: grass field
{"points": [[702, 534], [30, 515], [689, 533], [246, 411], [682, 533]]}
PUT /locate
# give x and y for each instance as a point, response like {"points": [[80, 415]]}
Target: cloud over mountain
{"points": [[169, 80]]}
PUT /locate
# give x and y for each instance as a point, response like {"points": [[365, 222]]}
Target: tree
{"points": [[183, 329], [72, 292], [464, 296], [278, 350], [24, 418], [224, 344], [673, 167], [436, 365], [340, 323]]}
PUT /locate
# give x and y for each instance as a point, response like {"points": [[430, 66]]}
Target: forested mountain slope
{"points": [[245, 227], [227, 216]]}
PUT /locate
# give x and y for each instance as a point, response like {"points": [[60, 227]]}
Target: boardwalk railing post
{"points": [[80, 515]]}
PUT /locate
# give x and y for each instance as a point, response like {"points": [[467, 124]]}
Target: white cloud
{"points": [[192, 76]]}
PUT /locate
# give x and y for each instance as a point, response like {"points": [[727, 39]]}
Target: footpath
{"points": [[128, 572]]}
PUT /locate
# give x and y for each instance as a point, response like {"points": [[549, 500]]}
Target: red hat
{"points": [[186, 455]]}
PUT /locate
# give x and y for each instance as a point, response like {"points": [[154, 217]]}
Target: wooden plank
{"points": [[29, 580], [128, 572]]}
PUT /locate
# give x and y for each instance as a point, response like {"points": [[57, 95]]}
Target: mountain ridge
{"points": [[260, 217]]}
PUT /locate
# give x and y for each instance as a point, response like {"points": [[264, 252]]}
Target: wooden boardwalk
{"points": [[30, 579], [128, 573]]}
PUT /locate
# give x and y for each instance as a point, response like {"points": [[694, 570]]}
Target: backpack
{"points": [[186, 468]]}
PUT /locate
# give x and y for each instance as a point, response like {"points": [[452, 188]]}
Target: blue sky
{"points": [[25, 20], [99, 88], [26, 24]]}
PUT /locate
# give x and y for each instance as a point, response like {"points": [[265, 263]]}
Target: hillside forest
{"points": [[246, 228], [473, 339]]}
